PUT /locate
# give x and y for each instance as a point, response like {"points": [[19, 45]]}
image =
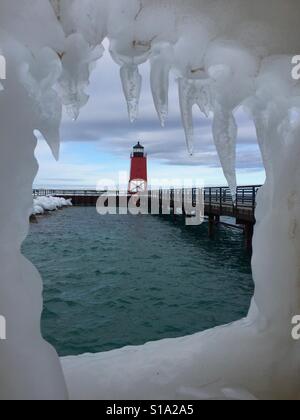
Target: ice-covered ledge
{"points": [[202, 366], [226, 54]]}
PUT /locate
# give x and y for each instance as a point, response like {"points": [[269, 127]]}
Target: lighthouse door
{"points": [[137, 186]]}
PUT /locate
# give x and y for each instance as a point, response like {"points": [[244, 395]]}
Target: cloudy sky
{"points": [[98, 145]]}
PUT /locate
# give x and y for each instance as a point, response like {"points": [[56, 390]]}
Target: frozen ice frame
{"points": [[226, 53]]}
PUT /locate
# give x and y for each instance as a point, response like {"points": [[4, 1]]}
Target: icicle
{"points": [[186, 107], [132, 84], [160, 70], [38, 77], [77, 60], [260, 122], [75, 102], [56, 4], [225, 136], [50, 130], [203, 98], [192, 92]]}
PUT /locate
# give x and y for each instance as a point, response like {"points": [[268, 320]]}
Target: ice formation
{"points": [[226, 54], [43, 204]]}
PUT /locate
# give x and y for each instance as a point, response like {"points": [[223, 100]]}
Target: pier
{"points": [[218, 203]]}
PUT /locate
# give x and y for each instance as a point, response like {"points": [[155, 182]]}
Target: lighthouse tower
{"points": [[138, 172]]}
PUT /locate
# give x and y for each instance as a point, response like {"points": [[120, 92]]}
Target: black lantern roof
{"points": [[138, 146]]}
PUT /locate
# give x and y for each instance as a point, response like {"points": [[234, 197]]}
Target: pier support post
{"points": [[211, 226], [33, 219], [249, 229]]}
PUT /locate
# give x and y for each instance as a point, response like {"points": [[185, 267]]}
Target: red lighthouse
{"points": [[138, 172]]}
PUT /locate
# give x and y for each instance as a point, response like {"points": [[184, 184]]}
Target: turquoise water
{"points": [[111, 281]]}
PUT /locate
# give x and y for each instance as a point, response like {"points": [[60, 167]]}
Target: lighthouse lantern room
{"points": [[138, 172]]}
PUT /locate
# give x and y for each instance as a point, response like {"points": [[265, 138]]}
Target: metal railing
{"points": [[246, 196], [221, 196], [214, 196], [64, 193]]}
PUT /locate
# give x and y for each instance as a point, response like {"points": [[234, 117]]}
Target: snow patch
{"points": [[43, 204]]}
